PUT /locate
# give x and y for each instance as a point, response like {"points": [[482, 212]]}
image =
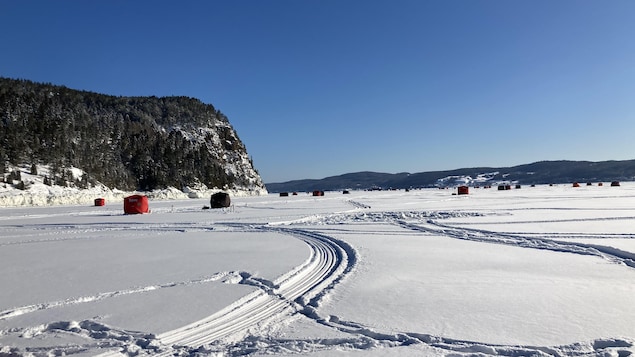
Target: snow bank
{"points": [[72, 196], [37, 193]]}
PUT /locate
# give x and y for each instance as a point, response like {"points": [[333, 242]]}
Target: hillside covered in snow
{"points": [[125, 143]]}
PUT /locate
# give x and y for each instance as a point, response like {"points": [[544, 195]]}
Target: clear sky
{"points": [[317, 88]]}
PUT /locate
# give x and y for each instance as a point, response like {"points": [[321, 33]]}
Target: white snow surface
{"points": [[36, 193], [537, 271]]}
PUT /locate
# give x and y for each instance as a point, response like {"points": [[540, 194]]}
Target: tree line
{"points": [[131, 143]]}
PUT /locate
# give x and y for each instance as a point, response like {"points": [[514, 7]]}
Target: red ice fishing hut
{"points": [[135, 204], [100, 202]]}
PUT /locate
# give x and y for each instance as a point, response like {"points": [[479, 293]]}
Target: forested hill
{"points": [[132, 143]]}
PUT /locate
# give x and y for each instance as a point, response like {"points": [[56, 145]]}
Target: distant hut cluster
{"points": [[463, 189], [504, 186], [613, 184], [316, 193]]}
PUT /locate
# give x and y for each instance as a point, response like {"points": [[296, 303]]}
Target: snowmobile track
{"points": [[477, 235], [329, 261]]}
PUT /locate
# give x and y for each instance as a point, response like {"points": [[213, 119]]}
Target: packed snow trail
{"points": [[430, 222], [612, 254], [11, 313], [329, 260], [363, 338]]}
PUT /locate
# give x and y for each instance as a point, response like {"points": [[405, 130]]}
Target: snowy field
{"points": [[536, 271]]}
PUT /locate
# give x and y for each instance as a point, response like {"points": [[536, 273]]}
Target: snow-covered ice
{"points": [[532, 271]]}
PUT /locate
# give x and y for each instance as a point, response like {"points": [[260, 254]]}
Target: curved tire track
{"points": [[329, 261], [17, 311], [478, 235]]}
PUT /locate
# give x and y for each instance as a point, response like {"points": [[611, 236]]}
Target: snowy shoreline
{"points": [[37, 193], [71, 196]]}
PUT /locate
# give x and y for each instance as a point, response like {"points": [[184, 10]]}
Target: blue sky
{"points": [[321, 88]]}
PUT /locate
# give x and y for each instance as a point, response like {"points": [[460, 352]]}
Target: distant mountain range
{"points": [[542, 172]]}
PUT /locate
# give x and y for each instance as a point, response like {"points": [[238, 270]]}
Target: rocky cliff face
{"points": [[131, 143]]}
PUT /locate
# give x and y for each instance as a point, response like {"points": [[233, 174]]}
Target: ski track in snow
{"points": [[302, 288], [609, 253], [11, 313], [300, 291]]}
